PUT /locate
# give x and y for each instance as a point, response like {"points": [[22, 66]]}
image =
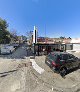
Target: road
{"points": [[20, 53]]}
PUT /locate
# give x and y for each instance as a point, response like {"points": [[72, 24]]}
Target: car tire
{"points": [[54, 70], [10, 52], [63, 71], [51, 66]]}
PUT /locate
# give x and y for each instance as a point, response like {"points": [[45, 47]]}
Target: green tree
{"points": [[62, 37], [4, 33]]}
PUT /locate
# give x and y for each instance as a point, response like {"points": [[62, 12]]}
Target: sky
{"points": [[53, 18]]}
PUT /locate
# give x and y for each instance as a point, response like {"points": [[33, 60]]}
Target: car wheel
{"points": [[10, 52], [51, 66], [55, 71], [63, 71]]}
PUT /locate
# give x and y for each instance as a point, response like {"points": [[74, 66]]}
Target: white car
{"points": [[15, 45], [7, 49]]}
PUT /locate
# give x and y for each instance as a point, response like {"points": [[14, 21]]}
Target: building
{"points": [[46, 44], [75, 44]]}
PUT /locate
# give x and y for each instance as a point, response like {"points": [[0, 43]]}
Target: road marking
{"points": [[36, 67]]}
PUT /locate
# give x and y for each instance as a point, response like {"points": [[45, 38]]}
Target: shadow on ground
{"points": [[6, 73], [72, 70]]}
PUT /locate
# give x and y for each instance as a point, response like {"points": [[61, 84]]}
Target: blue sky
{"points": [[57, 17]]}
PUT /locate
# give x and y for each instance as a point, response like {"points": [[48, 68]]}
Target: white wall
{"points": [[76, 47], [35, 33]]}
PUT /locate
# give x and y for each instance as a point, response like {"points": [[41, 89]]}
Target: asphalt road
{"points": [[19, 53]]}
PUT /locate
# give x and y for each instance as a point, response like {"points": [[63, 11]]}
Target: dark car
{"points": [[61, 62]]}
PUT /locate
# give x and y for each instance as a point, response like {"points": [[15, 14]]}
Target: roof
{"points": [[59, 53], [76, 40]]}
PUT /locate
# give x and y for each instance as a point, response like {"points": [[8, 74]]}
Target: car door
{"points": [[51, 59], [73, 60], [48, 60], [68, 61]]}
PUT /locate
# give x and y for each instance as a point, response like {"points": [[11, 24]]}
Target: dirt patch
{"points": [[24, 65], [26, 79]]}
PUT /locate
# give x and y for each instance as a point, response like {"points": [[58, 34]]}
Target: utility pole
{"points": [[45, 35]]}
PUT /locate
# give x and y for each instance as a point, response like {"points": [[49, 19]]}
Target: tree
{"points": [[4, 33], [69, 37], [29, 36], [13, 33], [61, 37], [3, 24]]}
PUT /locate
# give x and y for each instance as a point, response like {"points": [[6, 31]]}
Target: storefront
{"points": [[44, 49]]}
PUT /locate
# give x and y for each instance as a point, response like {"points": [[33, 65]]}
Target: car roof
{"points": [[58, 53]]}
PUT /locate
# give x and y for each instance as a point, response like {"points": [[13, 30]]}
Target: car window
{"points": [[52, 57], [48, 55], [71, 56], [64, 56], [59, 57]]}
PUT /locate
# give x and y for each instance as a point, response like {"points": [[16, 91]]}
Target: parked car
{"points": [[62, 62], [15, 45], [6, 49]]}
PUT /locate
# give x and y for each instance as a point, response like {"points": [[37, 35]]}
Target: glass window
{"points": [[59, 57], [64, 56], [69, 46], [71, 56], [52, 57]]}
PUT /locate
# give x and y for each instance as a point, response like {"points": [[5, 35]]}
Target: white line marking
{"points": [[36, 67]]}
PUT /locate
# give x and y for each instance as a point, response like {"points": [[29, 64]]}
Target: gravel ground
{"points": [[13, 75]]}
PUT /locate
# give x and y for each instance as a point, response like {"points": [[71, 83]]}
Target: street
{"points": [[20, 53]]}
